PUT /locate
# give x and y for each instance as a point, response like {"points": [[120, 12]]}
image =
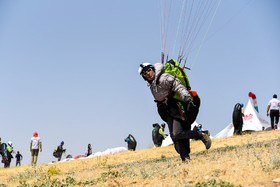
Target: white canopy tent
{"points": [[252, 121], [226, 132]]}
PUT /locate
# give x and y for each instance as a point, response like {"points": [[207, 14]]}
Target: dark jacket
{"points": [[60, 149], [19, 157]]}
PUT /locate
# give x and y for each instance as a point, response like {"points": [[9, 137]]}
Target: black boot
{"points": [[206, 140]]}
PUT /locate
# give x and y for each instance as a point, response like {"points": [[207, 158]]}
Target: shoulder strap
{"points": [[157, 81], [182, 72]]}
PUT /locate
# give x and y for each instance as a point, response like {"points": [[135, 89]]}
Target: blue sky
{"points": [[69, 70]]}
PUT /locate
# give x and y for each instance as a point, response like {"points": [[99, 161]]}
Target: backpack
{"points": [[132, 142], [155, 133], [3, 152], [173, 68], [56, 154], [187, 114], [237, 107], [157, 137]]}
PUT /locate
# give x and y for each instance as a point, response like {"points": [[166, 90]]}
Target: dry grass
{"points": [[247, 160]]}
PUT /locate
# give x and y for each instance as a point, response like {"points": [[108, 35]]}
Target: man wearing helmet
{"points": [[179, 114], [237, 120]]}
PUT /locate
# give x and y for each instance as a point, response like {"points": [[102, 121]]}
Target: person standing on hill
{"points": [[89, 150], [19, 158], [131, 142], [158, 134], [178, 113], [237, 120], [273, 106], [35, 145]]}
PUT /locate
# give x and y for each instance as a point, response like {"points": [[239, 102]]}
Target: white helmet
{"points": [[145, 66], [10, 143]]}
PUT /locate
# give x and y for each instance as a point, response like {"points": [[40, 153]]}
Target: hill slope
{"points": [[247, 160]]}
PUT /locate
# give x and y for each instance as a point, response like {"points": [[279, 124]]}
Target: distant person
{"points": [[19, 158], [237, 120], [9, 154], [89, 150], [3, 152], [35, 145], [158, 134], [131, 142], [273, 106], [58, 151]]}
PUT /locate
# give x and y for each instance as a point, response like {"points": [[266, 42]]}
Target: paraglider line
{"points": [[178, 28], [206, 32]]}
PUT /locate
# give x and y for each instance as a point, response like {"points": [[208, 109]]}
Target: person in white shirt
{"points": [[273, 106], [35, 144]]}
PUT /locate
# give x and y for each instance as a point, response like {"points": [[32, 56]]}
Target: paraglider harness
{"points": [[173, 68], [131, 143], [157, 137], [3, 152], [57, 153]]}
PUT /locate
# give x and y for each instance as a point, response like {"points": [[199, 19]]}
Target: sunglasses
{"points": [[146, 72]]}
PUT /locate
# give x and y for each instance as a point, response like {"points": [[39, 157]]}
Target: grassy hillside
{"points": [[247, 160]]}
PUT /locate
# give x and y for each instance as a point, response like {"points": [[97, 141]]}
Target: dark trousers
{"points": [[274, 114], [181, 134], [18, 163], [59, 157], [34, 152]]}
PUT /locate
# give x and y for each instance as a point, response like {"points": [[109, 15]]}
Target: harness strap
{"points": [[181, 110]]}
